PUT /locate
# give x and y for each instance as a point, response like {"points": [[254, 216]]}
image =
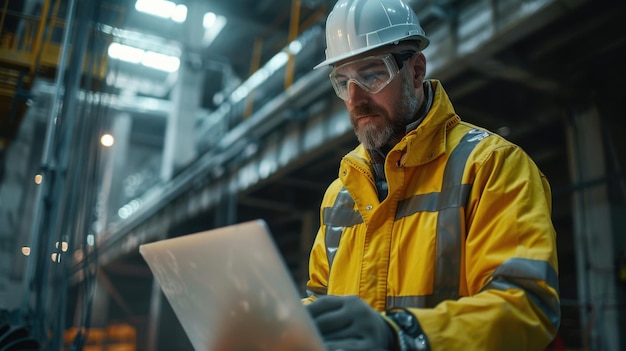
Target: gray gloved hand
{"points": [[348, 323]]}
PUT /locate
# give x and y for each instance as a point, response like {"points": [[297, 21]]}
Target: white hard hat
{"points": [[357, 26]]}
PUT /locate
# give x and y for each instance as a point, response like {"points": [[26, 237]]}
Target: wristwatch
{"points": [[410, 335]]}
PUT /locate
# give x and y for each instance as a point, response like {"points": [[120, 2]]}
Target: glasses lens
{"points": [[372, 74]]}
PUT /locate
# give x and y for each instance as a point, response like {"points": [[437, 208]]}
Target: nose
{"points": [[356, 94]]}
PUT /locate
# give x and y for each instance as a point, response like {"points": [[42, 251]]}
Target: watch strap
{"points": [[409, 333]]}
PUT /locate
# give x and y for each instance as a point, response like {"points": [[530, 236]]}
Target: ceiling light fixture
{"points": [[107, 140], [213, 25], [160, 61], [125, 53], [150, 59], [180, 14], [163, 9]]}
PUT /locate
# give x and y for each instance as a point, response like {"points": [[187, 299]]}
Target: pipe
{"points": [[53, 22], [64, 194], [46, 168], [39, 38], [293, 34], [4, 14], [254, 66]]}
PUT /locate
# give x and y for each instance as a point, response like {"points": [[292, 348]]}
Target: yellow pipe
{"points": [[4, 14], [51, 24], [39, 39], [27, 39], [293, 34], [254, 66], [306, 24]]}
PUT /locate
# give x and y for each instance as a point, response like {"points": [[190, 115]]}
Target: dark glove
{"points": [[348, 323]]}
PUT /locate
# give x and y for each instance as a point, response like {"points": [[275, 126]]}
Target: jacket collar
{"points": [[428, 140]]}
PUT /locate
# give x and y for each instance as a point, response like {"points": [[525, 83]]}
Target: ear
{"points": [[418, 63]]}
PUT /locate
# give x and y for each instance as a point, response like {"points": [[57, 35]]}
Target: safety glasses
{"points": [[371, 73]]}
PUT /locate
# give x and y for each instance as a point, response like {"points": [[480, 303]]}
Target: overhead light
{"points": [[125, 53], [145, 40], [155, 7], [150, 59], [213, 25], [107, 140], [160, 61], [180, 14], [163, 9], [209, 19]]}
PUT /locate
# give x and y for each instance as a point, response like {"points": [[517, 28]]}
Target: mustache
{"points": [[363, 110]]}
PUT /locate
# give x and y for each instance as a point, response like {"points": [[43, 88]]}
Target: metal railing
{"points": [[31, 41]]}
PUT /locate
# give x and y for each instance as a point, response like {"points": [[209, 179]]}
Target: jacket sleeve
{"points": [[509, 263], [318, 270], [318, 259]]}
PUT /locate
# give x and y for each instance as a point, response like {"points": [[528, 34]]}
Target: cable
{"points": [[89, 266]]}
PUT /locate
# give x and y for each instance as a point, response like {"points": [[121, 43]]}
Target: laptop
{"points": [[231, 290]]}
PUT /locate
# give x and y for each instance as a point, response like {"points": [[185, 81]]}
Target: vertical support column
{"points": [[114, 161], [593, 232], [180, 148]]}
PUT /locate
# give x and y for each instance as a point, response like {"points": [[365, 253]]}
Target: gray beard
{"points": [[406, 107], [373, 138]]}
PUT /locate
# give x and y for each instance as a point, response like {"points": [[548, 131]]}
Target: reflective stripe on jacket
{"points": [[464, 239]]}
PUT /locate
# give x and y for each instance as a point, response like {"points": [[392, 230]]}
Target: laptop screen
{"points": [[230, 289]]}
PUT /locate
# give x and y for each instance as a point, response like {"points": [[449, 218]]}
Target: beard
{"points": [[375, 136]]}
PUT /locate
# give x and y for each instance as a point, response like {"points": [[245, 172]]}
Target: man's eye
{"points": [[342, 83], [373, 76]]}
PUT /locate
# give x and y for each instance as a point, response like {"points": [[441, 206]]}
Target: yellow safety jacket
{"points": [[464, 239]]}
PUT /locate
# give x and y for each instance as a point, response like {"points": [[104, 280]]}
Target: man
{"points": [[437, 235]]}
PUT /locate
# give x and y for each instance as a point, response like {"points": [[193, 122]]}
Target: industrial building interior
{"points": [[124, 122]]}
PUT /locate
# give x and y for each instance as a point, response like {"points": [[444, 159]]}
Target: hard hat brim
{"points": [[422, 40]]}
